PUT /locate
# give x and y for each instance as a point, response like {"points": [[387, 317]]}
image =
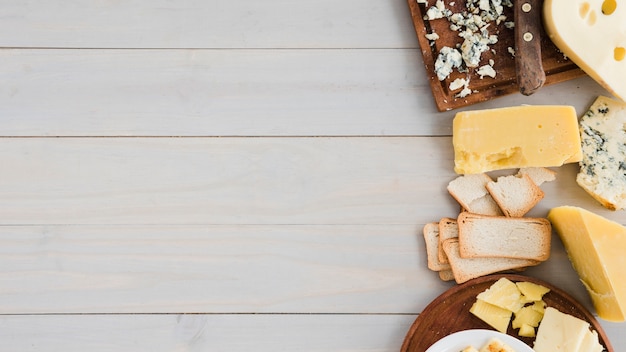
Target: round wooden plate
{"points": [[449, 313]]}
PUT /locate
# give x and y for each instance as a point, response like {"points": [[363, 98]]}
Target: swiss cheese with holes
{"points": [[592, 33]]}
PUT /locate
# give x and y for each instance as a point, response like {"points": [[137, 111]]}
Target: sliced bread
{"points": [[471, 192], [446, 275], [500, 236], [515, 195], [448, 228], [465, 269], [539, 175], [431, 238]]}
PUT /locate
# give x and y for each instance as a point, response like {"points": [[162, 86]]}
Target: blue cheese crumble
{"points": [[472, 26], [447, 60]]}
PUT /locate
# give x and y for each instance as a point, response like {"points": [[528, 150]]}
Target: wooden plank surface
{"points": [[206, 24], [316, 180], [350, 92], [144, 219], [227, 176], [212, 332], [349, 269], [198, 332]]}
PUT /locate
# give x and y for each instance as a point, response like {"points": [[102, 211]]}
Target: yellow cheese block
{"points": [[596, 247], [515, 137], [593, 35]]}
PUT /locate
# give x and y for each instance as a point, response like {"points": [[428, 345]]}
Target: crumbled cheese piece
{"points": [[432, 36], [486, 70], [447, 61], [465, 92], [458, 84], [511, 51], [474, 45], [438, 11], [425, 2], [473, 26]]}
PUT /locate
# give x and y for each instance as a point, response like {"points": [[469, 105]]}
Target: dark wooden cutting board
{"points": [[449, 313], [556, 66]]}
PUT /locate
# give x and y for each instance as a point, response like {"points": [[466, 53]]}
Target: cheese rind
{"points": [[515, 137], [593, 37], [596, 247]]}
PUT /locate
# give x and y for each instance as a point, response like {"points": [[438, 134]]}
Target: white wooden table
{"points": [[227, 176]]}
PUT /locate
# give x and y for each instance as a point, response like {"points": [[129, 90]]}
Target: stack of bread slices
{"points": [[491, 233]]}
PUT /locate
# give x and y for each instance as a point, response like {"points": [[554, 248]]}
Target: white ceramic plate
{"points": [[477, 338]]}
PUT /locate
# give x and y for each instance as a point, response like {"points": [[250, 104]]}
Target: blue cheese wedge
{"points": [[603, 165]]}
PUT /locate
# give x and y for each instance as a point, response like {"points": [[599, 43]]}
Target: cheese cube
{"points": [[526, 331], [515, 137], [596, 248], [592, 33], [526, 316]]}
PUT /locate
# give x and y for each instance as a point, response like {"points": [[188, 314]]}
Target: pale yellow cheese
{"points": [[560, 332], [590, 342], [532, 291], [592, 33], [496, 317], [504, 294], [596, 247], [526, 331], [515, 137], [526, 316]]}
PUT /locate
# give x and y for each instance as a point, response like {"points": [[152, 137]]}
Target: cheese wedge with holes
{"points": [[592, 33], [515, 137], [596, 247]]}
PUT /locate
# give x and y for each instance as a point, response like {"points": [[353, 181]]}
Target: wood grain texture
{"points": [[121, 224], [202, 24], [349, 92], [213, 332], [231, 176], [150, 269], [360, 180], [198, 332]]}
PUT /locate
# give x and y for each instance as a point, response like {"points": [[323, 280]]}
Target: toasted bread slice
{"points": [[539, 175], [471, 193], [465, 269], [515, 195], [446, 275], [431, 237], [448, 228], [504, 237]]}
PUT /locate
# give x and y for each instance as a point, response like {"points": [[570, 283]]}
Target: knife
{"points": [[528, 63]]}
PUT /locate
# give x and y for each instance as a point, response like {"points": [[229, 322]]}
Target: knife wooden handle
{"points": [[528, 63]]}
